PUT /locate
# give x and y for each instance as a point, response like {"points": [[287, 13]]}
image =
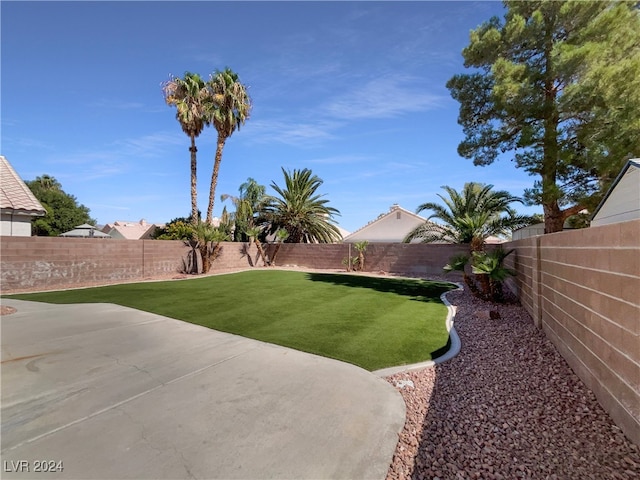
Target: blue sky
{"points": [[355, 91]]}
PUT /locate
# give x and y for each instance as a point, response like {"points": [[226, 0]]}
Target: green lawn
{"points": [[371, 322]]}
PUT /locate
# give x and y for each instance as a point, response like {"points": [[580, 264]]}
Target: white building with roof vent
{"points": [[390, 227]]}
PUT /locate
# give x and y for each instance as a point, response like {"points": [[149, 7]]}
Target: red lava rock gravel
{"points": [[508, 406]]}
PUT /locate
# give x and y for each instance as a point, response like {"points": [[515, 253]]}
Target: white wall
{"points": [[623, 203], [392, 228], [15, 225]]}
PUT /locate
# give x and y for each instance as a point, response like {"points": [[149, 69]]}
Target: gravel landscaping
{"points": [[507, 407]]}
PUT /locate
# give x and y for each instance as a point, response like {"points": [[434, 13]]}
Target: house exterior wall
{"points": [[15, 225], [623, 203], [581, 287], [387, 229], [530, 231]]}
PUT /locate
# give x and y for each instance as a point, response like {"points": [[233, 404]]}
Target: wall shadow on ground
{"points": [[422, 290]]}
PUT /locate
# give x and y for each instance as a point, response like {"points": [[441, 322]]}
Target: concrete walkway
{"points": [[112, 392]]}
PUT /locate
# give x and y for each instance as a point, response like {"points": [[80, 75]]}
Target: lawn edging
{"points": [[454, 348]]}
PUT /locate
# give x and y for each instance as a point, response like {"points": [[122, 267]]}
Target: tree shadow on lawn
{"points": [[420, 290]]}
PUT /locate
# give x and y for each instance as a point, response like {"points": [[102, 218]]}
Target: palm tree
{"points": [[361, 247], [470, 216], [247, 205], [47, 182], [281, 237], [490, 269], [207, 239], [188, 96], [228, 108], [254, 233], [299, 210]]}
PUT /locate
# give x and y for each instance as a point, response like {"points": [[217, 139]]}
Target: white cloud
{"points": [[290, 132], [386, 97]]}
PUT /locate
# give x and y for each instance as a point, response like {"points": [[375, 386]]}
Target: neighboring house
{"points": [[622, 201], [17, 203], [390, 227], [130, 230], [530, 231], [85, 231]]}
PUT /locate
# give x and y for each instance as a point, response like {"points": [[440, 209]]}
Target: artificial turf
{"points": [[372, 322]]}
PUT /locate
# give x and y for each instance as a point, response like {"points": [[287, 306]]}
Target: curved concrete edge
{"points": [[454, 349]]}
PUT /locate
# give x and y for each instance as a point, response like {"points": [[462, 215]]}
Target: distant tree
{"points": [[470, 216], [64, 213], [300, 210], [188, 95], [558, 84], [228, 107], [247, 206], [179, 228]]}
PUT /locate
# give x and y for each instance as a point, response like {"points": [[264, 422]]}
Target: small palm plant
{"points": [[253, 233], [361, 247], [207, 239], [281, 237], [491, 272], [458, 263]]}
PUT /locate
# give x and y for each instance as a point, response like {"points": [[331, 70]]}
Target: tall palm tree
{"points": [[188, 95], [299, 210], [229, 106], [470, 216]]}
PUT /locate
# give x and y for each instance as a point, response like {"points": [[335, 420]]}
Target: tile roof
{"points": [[14, 194], [130, 230]]}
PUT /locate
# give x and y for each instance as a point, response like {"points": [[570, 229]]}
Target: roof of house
{"points": [[14, 193], [633, 163], [130, 230], [86, 231]]}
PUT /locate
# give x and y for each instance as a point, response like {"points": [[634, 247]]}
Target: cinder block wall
{"points": [[399, 258], [30, 263], [56, 262], [582, 287]]}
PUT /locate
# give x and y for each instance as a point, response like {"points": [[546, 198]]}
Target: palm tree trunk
{"points": [[214, 176], [275, 253], [260, 250], [205, 251], [194, 190]]}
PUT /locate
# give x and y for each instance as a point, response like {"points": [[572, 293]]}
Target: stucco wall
{"points": [[582, 288], [15, 225]]}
